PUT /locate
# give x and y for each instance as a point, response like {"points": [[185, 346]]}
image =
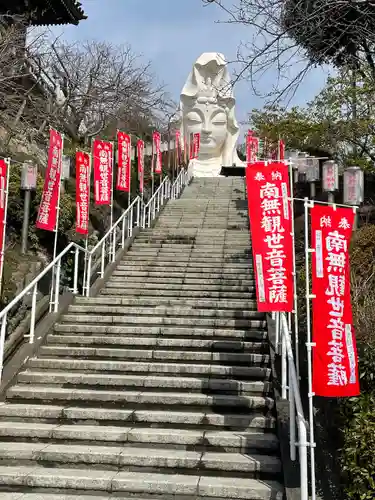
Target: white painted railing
{"points": [[104, 251], [156, 201], [298, 426], [32, 289], [181, 181], [107, 246]]}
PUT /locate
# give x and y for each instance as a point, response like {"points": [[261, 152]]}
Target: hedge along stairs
{"points": [[160, 387]]}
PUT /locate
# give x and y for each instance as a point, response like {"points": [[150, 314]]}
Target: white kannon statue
{"points": [[207, 107]]}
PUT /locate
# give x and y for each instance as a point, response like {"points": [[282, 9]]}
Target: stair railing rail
{"points": [[290, 382], [157, 200], [181, 181], [32, 289], [117, 234]]}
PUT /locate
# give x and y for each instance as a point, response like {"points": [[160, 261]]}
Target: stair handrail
{"points": [[156, 201], [32, 288], [180, 182], [126, 220], [290, 381]]}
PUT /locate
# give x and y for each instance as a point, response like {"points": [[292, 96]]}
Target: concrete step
{"points": [[160, 459], [162, 310], [212, 249], [177, 251], [150, 382], [112, 397], [180, 291], [198, 285], [183, 274], [159, 342], [163, 331], [156, 354], [152, 368], [195, 240], [163, 280], [174, 258], [166, 301], [123, 418], [58, 496], [192, 439], [139, 483], [184, 266], [199, 321]]}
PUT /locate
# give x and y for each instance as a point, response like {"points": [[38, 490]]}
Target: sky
{"points": [[172, 34]]}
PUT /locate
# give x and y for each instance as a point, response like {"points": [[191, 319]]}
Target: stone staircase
{"points": [[160, 387]]}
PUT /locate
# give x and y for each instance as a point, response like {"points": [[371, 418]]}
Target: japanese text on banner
{"points": [[141, 161], [82, 192], [195, 146], [123, 161], [178, 146], [252, 145], [335, 364], [271, 235], [157, 151], [47, 215], [3, 199], [103, 155]]}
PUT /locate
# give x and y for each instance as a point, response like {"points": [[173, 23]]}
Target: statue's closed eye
{"points": [[194, 118]]}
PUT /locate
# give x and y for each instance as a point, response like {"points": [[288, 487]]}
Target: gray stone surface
{"points": [[159, 387]]}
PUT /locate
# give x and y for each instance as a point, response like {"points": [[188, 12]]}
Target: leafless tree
{"points": [[102, 85], [294, 36], [22, 92]]}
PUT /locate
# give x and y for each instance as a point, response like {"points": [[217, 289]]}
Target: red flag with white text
{"points": [[141, 163], [4, 172], [47, 215], [156, 138], [82, 192], [178, 146], [252, 145], [271, 235], [335, 361], [103, 164], [195, 146], [281, 150], [123, 161]]}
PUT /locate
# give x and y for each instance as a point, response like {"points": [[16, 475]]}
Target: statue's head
{"points": [[207, 107]]}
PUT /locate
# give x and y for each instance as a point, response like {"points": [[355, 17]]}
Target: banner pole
{"points": [[112, 201], [6, 194], [309, 346], [85, 270], [152, 167], [56, 230], [296, 327]]}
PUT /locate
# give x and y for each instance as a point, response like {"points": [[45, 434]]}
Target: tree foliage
{"points": [[292, 37], [339, 120]]}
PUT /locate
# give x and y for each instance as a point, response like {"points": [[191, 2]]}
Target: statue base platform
{"points": [[197, 169]]}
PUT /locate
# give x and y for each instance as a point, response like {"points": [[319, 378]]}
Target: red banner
{"points": [[156, 139], [82, 192], [3, 200], [335, 362], [178, 147], [195, 146], [252, 145], [141, 164], [271, 235], [47, 215], [103, 158], [123, 161], [281, 150]]}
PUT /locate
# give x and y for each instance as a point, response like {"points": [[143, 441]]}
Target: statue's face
{"points": [[211, 121]]}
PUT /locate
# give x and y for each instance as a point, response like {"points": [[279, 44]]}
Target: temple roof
{"points": [[43, 12]]}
